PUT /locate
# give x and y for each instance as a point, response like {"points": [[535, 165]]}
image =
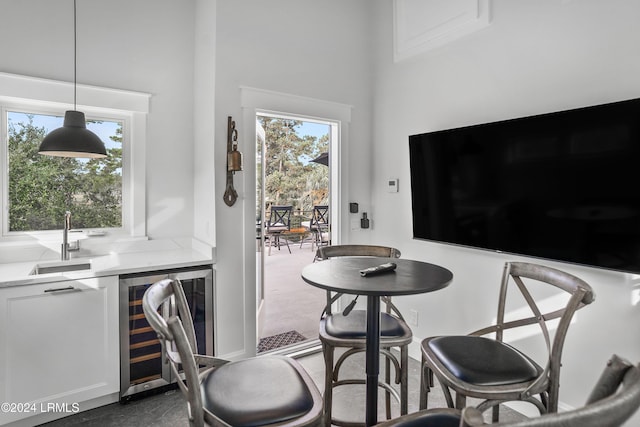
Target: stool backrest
{"points": [[528, 278], [332, 251], [167, 311]]}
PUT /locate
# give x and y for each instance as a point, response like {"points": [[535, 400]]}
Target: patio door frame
{"points": [[334, 137], [261, 102]]}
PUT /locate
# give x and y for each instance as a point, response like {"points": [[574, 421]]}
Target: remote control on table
{"points": [[382, 268]]}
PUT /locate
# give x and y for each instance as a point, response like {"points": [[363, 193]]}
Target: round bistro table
{"points": [[410, 277]]}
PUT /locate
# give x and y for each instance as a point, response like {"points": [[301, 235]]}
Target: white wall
{"points": [[144, 46], [305, 48], [204, 122], [535, 57]]}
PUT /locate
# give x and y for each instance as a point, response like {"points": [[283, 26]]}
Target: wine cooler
{"points": [[142, 363]]}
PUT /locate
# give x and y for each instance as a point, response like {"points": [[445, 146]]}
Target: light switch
{"points": [[392, 185]]}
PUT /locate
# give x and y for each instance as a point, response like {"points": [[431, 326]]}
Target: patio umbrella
{"points": [[323, 159]]}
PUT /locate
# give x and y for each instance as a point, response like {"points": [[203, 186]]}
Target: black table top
{"points": [[343, 275]]}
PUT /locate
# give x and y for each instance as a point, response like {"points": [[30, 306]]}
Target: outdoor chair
{"points": [[278, 223], [340, 330], [259, 391], [319, 226], [492, 370], [613, 400]]}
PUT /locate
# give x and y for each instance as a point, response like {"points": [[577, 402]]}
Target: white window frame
{"points": [[42, 96]]}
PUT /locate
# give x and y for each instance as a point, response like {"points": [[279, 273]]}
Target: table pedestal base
{"points": [[372, 358]]}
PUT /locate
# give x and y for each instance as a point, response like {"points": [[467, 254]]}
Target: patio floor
{"points": [[290, 303]]}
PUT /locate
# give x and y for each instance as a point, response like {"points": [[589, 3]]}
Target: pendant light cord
{"points": [[75, 56]]}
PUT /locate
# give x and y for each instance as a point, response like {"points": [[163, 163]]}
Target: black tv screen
{"points": [[562, 186]]}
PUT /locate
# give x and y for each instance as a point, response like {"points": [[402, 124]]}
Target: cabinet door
{"points": [[58, 345]]}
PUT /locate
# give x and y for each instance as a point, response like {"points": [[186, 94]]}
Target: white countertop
{"points": [[113, 264]]}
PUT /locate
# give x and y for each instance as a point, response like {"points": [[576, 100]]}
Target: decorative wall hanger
{"points": [[234, 162]]}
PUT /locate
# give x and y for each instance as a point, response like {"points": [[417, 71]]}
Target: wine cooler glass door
{"points": [[143, 364]]}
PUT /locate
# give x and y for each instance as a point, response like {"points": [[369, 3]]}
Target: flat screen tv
{"points": [[562, 186]]}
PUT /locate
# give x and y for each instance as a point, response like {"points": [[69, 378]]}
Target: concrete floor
{"points": [[290, 303]]}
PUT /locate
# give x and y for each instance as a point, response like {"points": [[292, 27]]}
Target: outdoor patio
{"points": [[290, 304]]}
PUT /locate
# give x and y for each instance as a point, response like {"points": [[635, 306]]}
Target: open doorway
{"points": [[293, 217]]}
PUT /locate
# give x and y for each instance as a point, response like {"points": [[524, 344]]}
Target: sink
{"points": [[60, 267]]}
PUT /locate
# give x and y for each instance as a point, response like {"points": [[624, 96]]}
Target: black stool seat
{"points": [[483, 361], [430, 418], [354, 325], [236, 392], [435, 420]]}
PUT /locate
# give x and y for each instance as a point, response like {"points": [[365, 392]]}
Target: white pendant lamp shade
{"points": [[73, 139]]}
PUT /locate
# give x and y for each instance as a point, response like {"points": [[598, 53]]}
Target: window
{"points": [[41, 188], [107, 194]]}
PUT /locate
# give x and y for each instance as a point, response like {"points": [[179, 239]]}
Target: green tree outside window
{"points": [[42, 188], [291, 179]]}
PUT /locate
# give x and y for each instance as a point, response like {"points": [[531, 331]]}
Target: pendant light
{"points": [[73, 139]]}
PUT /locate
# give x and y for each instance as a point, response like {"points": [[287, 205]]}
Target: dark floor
{"points": [[170, 409], [165, 409]]}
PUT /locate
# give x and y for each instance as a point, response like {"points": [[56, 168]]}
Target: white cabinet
{"points": [[58, 347]]}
